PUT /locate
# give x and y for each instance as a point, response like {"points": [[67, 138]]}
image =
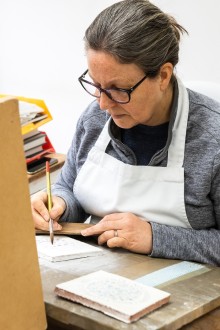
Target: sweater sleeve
{"points": [[187, 244]]}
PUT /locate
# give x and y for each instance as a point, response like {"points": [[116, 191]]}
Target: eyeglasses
{"points": [[119, 95]]}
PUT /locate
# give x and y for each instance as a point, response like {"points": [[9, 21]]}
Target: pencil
{"points": [[49, 197]]}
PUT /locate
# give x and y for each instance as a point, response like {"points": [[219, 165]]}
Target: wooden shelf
{"points": [[38, 181]]}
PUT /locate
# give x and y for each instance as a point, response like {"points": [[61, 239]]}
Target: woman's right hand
{"points": [[40, 213]]}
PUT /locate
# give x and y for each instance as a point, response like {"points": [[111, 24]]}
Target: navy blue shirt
{"points": [[145, 141]]}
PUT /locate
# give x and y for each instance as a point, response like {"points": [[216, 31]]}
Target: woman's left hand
{"points": [[124, 230]]}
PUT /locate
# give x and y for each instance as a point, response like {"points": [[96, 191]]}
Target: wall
{"points": [[42, 52]]}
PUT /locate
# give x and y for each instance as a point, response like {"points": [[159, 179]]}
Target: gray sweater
{"points": [[202, 178]]}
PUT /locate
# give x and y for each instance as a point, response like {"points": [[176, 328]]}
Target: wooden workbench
{"points": [[192, 296]]}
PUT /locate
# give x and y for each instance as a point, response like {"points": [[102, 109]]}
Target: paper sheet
{"points": [[64, 248]]}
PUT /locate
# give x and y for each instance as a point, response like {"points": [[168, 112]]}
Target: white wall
{"points": [[42, 55]]}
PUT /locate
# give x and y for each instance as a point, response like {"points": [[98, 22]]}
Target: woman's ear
{"points": [[166, 72]]}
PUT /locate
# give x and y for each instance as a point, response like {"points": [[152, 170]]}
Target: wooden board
{"points": [[68, 228], [21, 303]]}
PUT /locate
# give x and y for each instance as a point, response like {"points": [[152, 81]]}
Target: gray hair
{"points": [[136, 31]]}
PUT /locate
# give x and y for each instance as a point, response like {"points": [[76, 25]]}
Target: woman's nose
{"points": [[105, 102]]}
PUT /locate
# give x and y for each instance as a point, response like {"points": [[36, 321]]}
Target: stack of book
{"points": [[34, 143], [33, 114]]}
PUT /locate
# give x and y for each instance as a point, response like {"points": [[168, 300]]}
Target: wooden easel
{"points": [[21, 301]]}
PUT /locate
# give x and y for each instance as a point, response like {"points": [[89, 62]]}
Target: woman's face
{"points": [[150, 101]]}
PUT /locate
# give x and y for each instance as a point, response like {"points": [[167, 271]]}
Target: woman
{"points": [[144, 162]]}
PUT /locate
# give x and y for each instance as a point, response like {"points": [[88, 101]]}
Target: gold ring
{"points": [[115, 233]]}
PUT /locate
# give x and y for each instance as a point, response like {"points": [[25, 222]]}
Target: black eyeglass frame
{"points": [[107, 90]]}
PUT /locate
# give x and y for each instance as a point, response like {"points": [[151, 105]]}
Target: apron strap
{"points": [[104, 137], [176, 149]]}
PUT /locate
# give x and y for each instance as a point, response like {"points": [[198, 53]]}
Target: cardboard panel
{"points": [[21, 301]]}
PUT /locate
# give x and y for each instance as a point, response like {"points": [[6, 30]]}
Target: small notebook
{"points": [[114, 295], [64, 248]]}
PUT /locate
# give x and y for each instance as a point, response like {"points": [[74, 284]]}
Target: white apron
{"points": [[106, 185]]}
